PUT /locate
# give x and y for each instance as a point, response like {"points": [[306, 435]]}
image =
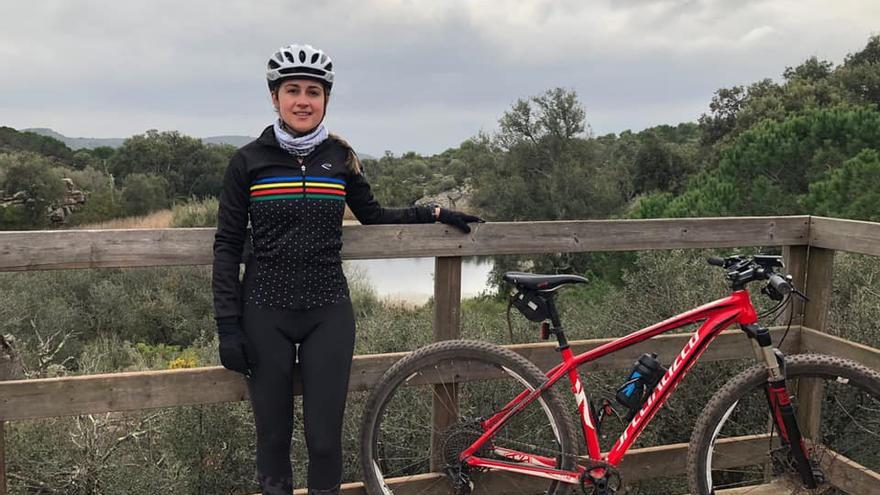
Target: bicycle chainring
{"points": [[607, 484]]}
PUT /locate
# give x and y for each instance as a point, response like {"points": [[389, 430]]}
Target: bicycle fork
{"points": [[779, 402]]}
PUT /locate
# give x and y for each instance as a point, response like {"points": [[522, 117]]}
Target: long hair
{"points": [[352, 161]]}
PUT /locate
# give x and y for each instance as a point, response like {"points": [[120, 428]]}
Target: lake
{"points": [[412, 279]]}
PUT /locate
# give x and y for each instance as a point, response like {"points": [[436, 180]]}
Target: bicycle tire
{"points": [[404, 386], [849, 426]]}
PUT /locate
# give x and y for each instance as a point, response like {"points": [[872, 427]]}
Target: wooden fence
{"points": [[808, 244]]}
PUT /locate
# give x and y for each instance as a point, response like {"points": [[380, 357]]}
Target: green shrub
{"points": [[195, 213]]}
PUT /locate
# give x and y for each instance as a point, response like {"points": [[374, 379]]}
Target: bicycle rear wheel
{"points": [[397, 426], [734, 446]]}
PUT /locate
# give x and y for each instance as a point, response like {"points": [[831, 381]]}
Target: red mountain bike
{"points": [[508, 422]]}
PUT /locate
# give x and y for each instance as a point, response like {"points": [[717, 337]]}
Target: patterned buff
{"points": [[302, 145]]}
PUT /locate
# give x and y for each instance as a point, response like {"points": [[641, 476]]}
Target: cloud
{"points": [[416, 74], [757, 34]]}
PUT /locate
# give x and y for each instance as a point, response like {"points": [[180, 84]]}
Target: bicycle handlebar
{"points": [[742, 270], [716, 261]]}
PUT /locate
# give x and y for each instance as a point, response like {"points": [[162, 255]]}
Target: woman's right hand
{"points": [[236, 351]]}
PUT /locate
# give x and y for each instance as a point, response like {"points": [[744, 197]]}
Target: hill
{"points": [[77, 143]]}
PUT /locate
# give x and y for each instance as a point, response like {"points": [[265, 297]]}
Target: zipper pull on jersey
{"points": [[303, 167]]}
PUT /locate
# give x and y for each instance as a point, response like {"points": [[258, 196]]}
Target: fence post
{"points": [[9, 369], [795, 259], [820, 278], [2, 457], [447, 324]]}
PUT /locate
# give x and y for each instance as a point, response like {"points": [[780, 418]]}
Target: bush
{"points": [[144, 193], [195, 213]]}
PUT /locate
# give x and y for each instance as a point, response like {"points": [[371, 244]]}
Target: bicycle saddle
{"points": [[534, 281]]}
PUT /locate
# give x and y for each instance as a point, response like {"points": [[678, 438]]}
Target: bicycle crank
{"points": [[600, 479]]}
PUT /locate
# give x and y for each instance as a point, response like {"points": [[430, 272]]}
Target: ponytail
{"points": [[352, 161]]}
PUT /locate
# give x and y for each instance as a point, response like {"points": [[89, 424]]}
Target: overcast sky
{"points": [[411, 75]]}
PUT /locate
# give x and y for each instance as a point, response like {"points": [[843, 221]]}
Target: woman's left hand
{"points": [[458, 219]]}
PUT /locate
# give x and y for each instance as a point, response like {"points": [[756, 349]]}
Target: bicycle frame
{"points": [[716, 317]]}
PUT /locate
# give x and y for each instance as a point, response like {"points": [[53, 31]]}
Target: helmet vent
{"points": [[302, 56], [289, 57], [315, 57], [273, 64]]}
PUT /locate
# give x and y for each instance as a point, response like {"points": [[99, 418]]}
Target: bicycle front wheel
{"points": [[734, 444], [401, 446]]}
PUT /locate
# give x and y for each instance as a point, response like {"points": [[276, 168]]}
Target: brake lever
{"points": [[800, 294], [795, 290]]}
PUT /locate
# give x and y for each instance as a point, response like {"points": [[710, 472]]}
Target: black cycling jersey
{"points": [[295, 211]]}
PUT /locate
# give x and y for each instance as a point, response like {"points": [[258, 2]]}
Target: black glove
{"points": [[236, 351], [458, 219]]}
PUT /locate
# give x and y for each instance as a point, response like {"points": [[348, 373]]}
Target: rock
{"points": [[10, 362], [58, 213], [453, 199]]}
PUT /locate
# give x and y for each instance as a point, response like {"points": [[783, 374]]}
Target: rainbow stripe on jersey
{"points": [[298, 188]]}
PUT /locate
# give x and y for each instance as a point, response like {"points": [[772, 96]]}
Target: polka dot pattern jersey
{"points": [[295, 212]]}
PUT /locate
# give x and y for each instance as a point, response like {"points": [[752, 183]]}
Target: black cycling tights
{"points": [[326, 343]]}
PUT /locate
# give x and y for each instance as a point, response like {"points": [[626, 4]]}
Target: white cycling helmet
{"points": [[299, 61]]}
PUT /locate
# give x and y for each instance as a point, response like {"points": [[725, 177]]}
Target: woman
{"points": [[292, 183]]}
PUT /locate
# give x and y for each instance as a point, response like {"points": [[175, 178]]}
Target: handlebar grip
{"points": [[780, 284], [715, 260]]}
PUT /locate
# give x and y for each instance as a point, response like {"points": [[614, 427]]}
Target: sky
{"points": [[411, 75]]}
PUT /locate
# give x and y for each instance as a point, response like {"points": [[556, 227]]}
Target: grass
{"points": [[193, 213], [157, 220]]}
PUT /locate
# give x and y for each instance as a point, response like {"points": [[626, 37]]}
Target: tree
{"points": [[190, 167], [12, 140], [659, 166], [812, 84], [723, 111], [851, 191], [550, 120], [82, 159], [860, 74], [104, 201], [39, 183], [812, 69], [144, 193], [542, 165], [768, 169], [869, 55]]}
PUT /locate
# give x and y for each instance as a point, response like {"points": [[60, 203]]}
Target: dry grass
{"points": [[163, 220], [156, 220]]}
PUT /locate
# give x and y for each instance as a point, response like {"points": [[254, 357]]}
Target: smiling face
{"points": [[300, 103]]}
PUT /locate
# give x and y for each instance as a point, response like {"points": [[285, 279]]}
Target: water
{"points": [[412, 279]]}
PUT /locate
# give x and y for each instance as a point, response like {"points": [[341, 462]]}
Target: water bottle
{"points": [[644, 376]]}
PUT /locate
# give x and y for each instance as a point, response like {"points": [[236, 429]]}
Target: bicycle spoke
{"points": [[846, 424], [432, 416]]}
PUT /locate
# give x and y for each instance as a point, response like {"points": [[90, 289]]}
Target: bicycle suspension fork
{"points": [[779, 401]]}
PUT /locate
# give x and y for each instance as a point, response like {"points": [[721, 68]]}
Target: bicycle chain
{"points": [[515, 444], [523, 446]]}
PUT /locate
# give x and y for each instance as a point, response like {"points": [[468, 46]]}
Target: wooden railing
{"points": [[808, 244]]}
